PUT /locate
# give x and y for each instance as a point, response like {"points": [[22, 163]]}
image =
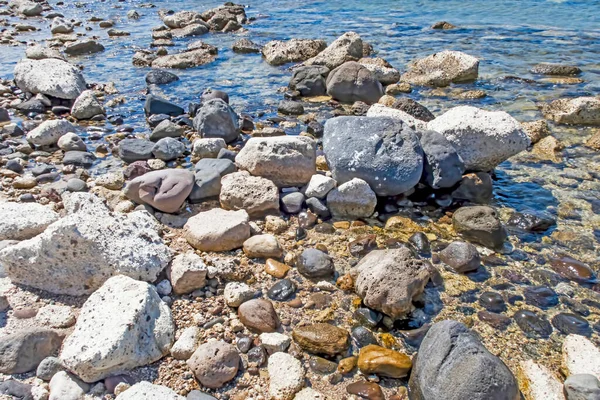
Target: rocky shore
{"points": [[215, 255]]}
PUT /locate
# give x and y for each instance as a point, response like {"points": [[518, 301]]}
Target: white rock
{"points": [[55, 316], [39, 393], [275, 342], [49, 133], [237, 293], [385, 75], [319, 186], [348, 47], [218, 230], [20, 221], [442, 69], [77, 253], [49, 76], [187, 273], [483, 139], [580, 356], [286, 376], [379, 110], [207, 148], [122, 325], [185, 346], [541, 383], [353, 199], [71, 141], [147, 391], [576, 111], [309, 394], [64, 386], [87, 106]]}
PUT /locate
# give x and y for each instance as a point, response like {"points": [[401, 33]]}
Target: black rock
{"points": [[46, 178], [158, 105], [282, 290], [575, 306], [420, 242], [414, 337], [313, 263], [362, 337], [290, 107], [413, 108], [60, 110], [367, 317], [131, 150], [79, 158], [531, 222], [492, 301], [210, 94], [540, 296], [160, 77], [532, 324], [571, 323]]}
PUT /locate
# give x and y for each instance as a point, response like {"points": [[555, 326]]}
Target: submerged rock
{"points": [[461, 257], [533, 324], [480, 224], [555, 69], [51, 77], [576, 111], [442, 69]]}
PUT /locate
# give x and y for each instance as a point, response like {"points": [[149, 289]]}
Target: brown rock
{"points": [[347, 365], [536, 130], [374, 359], [258, 315], [262, 246], [594, 141], [366, 390], [321, 338], [214, 363], [276, 268]]}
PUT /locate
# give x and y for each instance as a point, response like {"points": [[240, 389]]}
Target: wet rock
{"points": [[572, 269], [65, 386], [571, 324], [492, 301], [276, 269], [348, 47], [51, 77], [258, 315], [462, 257], [574, 111], [362, 245], [443, 166], [313, 264], [60, 25], [388, 280], [165, 190], [475, 187], [71, 142], [453, 364], [84, 46], [442, 69], [216, 119], [22, 351], [147, 390], [555, 69], [582, 387], [158, 105], [49, 132], [366, 390], [362, 337], [79, 158], [532, 324], [168, 149], [352, 82], [285, 160], [20, 221], [214, 363], [443, 25], [218, 230], [38, 52], [321, 338], [540, 296], [322, 366], [286, 376], [202, 54], [187, 273], [374, 359], [495, 320], [112, 320], [160, 77], [279, 52], [166, 129], [241, 191], [367, 317], [580, 356], [106, 243], [310, 81], [536, 130], [548, 148], [390, 160], [483, 139], [531, 221], [481, 225], [290, 107], [245, 46]]}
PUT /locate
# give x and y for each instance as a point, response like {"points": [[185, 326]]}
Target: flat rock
{"points": [[20, 221], [279, 52], [541, 382], [49, 132], [187, 59], [322, 338], [218, 230], [580, 356]]}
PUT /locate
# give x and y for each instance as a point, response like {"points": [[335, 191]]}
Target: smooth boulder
{"points": [[480, 224], [165, 190], [351, 82], [353, 199], [216, 119]]}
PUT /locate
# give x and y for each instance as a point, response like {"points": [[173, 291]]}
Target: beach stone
{"points": [[540, 296], [278, 52], [27, 8], [158, 105], [291, 203], [216, 119], [352, 82], [353, 199], [237, 293], [286, 376], [348, 47], [582, 387], [574, 111], [373, 359], [274, 342], [481, 225], [55, 316], [380, 110], [168, 149], [4, 116], [475, 188], [106, 243], [215, 363], [76, 185], [122, 325], [483, 139], [22, 351], [165, 190], [381, 70], [443, 166], [594, 141], [187, 273], [285, 160], [366, 390], [245, 46], [79, 158], [136, 169], [310, 81], [541, 382], [309, 394], [319, 186], [442, 69], [166, 129], [148, 391], [282, 290], [462, 257], [572, 269], [48, 133], [413, 108], [132, 150], [492, 301], [198, 395], [536, 130], [539, 222], [571, 324], [262, 246], [555, 69], [208, 178], [390, 160], [71, 142], [65, 386], [362, 337], [160, 77], [207, 148], [258, 315], [20, 221], [322, 338], [50, 76], [453, 364], [580, 356], [388, 280], [532, 324], [48, 367], [290, 107], [210, 94], [495, 320], [198, 55], [218, 230], [313, 263], [242, 191], [81, 47], [38, 52], [276, 268], [443, 25]]}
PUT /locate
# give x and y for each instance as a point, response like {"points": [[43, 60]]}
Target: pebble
{"points": [[373, 359], [533, 324], [366, 390], [259, 315], [540, 296], [571, 323], [282, 290], [362, 337], [572, 269], [313, 263], [367, 317], [214, 363], [321, 338], [276, 268], [257, 355], [274, 342], [237, 293], [492, 301], [493, 319]]}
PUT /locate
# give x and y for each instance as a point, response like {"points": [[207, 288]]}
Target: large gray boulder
{"points": [[452, 364], [388, 280], [122, 325], [165, 190], [22, 351], [576, 111], [77, 253], [310, 80], [352, 82], [216, 119], [50, 76], [443, 166], [285, 160], [278, 52], [348, 47], [483, 139], [20, 221], [384, 152], [442, 69]]}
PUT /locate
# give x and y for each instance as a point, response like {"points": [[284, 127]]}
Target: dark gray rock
{"points": [[310, 80], [168, 149], [48, 367], [532, 324], [23, 351], [290, 107], [198, 395], [221, 165], [216, 119], [351, 82], [160, 77], [158, 105], [16, 390], [131, 150], [41, 169], [79, 158], [313, 263], [475, 187], [227, 154], [389, 158], [166, 128], [318, 207], [413, 108], [14, 165], [282, 290], [210, 94], [208, 178], [291, 203], [12, 130], [76, 185], [32, 105], [480, 224], [582, 387], [461, 257], [4, 117], [443, 166], [452, 364]]}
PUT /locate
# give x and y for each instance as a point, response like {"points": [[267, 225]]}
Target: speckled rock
{"points": [[49, 132], [575, 111], [321, 338], [442, 69], [51, 77], [242, 191], [286, 376], [147, 391], [258, 315], [279, 52], [348, 47], [481, 225], [20, 221], [187, 273], [541, 382], [580, 356], [353, 199], [237, 293], [215, 363]]}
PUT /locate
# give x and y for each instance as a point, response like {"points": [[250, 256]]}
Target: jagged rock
{"points": [[20, 221], [442, 69], [278, 52], [348, 47], [576, 111], [242, 191]]}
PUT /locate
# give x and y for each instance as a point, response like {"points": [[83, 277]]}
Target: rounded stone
{"points": [[313, 263], [540, 296], [214, 363], [321, 338], [373, 359], [282, 290], [532, 324], [461, 257], [262, 246], [492, 301], [571, 323], [258, 315]]}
